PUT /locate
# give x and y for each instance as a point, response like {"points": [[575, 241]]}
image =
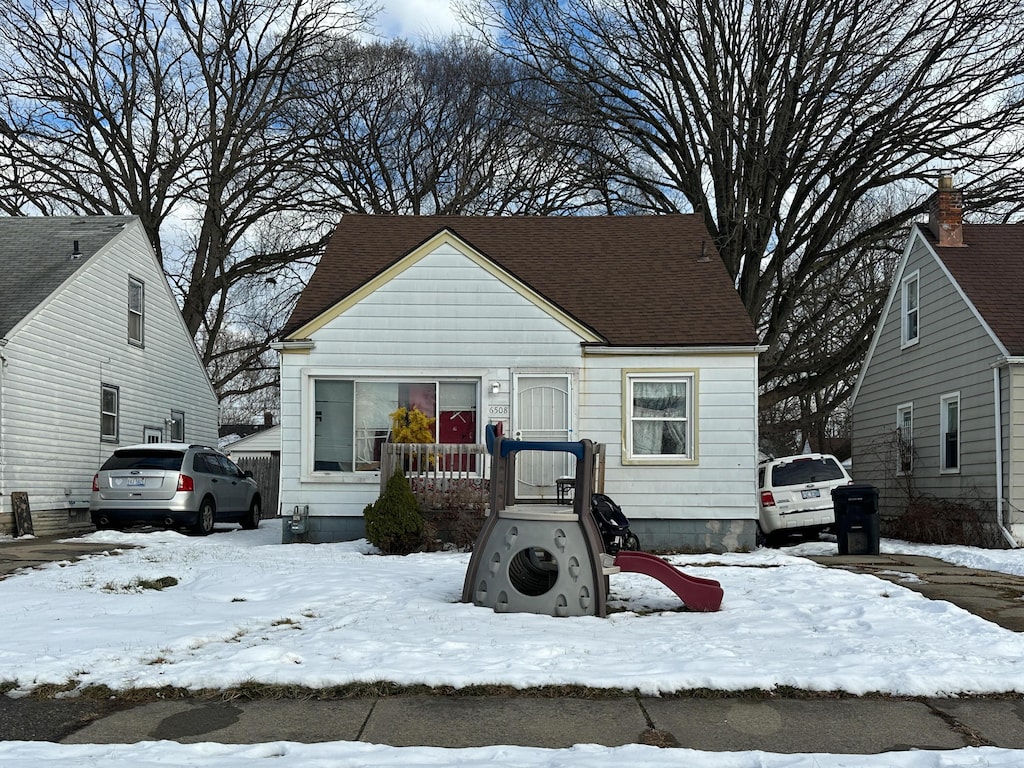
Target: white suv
{"points": [[795, 495]]}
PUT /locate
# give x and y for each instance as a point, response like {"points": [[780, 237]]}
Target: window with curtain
{"points": [[660, 417], [353, 418]]}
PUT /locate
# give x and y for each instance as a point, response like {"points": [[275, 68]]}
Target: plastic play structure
{"points": [[550, 559]]}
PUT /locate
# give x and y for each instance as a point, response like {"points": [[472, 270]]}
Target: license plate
{"points": [[140, 482], [814, 493]]}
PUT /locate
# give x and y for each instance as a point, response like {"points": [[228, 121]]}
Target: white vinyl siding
{"points": [[720, 483], [444, 318], [449, 319], [59, 356]]}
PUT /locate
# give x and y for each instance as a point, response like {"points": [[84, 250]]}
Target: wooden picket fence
{"points": [[266, 471]]}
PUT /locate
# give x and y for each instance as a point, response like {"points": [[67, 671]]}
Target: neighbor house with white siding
{"points": [[623, 330], [94, 355], [938, 408]]}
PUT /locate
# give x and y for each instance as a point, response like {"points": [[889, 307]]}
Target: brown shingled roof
{"points": [[633, 280], [989, 267]]}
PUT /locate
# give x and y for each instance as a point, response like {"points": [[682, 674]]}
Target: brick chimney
{"points": [[945, 217]]}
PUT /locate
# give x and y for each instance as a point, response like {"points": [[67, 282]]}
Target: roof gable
{"points": [[445, 238], [989, 269], [620, 280], [36, 257]]}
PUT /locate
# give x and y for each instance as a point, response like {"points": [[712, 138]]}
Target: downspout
{"points": [[996, 384]]}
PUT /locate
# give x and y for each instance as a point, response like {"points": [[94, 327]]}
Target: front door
{"points": [[542, 413]]}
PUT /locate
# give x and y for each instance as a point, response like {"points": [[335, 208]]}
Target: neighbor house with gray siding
{"points": [[94, 355], [623, 330], [938, 409]]}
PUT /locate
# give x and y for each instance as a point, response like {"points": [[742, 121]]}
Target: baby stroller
{"points": [[613, 525]]}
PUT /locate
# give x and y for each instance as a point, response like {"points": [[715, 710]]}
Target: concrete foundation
{"points": [[695, 535], [324, 530], [655, 535]]}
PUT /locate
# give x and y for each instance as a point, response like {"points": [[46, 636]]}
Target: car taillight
{"points": [[96, 481], [186, 483], [767, 500]]}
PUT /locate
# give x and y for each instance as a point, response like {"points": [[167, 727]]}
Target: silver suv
{"points": [[173, 485], [795, 495]]}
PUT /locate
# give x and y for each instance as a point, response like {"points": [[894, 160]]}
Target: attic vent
{"points": [[75, 253]]}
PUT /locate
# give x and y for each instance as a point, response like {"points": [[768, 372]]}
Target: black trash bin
{"points": [[856, 515]]}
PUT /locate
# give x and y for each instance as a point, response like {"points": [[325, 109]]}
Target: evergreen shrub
{"points": [[393, 523]]}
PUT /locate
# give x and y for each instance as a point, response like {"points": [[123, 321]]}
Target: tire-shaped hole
{"points": [[533, 571]]}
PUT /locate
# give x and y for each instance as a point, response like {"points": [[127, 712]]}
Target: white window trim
{"points": [[900, 410], [140, 312], [309, 416], [116, 413], [915, 279], [690, 375], [944, 401]]}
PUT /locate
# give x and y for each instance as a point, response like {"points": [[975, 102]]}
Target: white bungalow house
{"points": [[624, 330], [94, 354], [938, 409]]}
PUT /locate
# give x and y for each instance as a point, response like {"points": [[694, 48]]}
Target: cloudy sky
{"points": [[416, 18]]}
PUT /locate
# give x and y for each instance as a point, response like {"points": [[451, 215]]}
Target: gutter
{"points": [[997, 393], [593, 350], [297, 345]]}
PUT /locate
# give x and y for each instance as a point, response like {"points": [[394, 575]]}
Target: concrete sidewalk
{"points": [[828, 725]]}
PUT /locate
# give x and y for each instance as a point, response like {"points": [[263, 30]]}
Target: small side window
{"points": [[176, 426], [109, 413], [136, 311], [911, 314], [905, 438], [949, 419]]}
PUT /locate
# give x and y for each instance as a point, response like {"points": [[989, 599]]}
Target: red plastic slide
{"points": [[698, 594]]}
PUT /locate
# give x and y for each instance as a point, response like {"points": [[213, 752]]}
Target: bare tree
{"points": [[450, 128], [180, 113], [781, 123]]}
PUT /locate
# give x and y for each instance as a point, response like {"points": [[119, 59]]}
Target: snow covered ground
{"points": [[246, 608]]}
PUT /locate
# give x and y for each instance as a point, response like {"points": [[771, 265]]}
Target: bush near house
{"points": [[453, 508], [933, 520], [393, 522]]}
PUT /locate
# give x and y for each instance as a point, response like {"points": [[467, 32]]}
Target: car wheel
{"points": [[252, 520], [761, 538], [204, 520]]}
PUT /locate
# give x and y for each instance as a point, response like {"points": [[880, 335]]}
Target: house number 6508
{"points": [[497, 410]]}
